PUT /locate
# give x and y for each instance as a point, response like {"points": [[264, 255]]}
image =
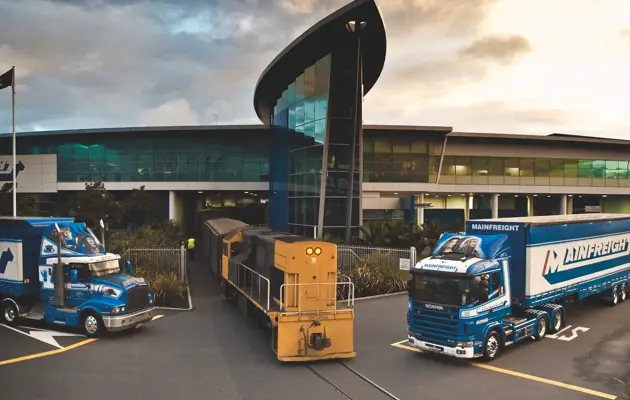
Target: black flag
{"points": [[6, 79]]}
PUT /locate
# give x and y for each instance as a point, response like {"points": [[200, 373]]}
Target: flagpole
{"points": [[14, 151]]}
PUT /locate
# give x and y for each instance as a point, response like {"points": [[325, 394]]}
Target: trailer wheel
{"points": [[492, 346], [556, 319], [92, 324], [541, 328], [10, 312], [615, 296], [624, 291]]}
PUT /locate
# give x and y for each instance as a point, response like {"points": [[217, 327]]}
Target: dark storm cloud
{"points": [[502, 49]]}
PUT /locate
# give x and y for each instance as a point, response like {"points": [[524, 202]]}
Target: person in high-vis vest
{"points": [[191, 248]]}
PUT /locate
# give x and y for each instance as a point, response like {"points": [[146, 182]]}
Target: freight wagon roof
{"points": [[556, 219], [225, 225]]}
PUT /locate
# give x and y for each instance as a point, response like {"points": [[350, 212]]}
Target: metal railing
{"points": [[349, 256], [254, 285], [159, 260], [330, 300]]}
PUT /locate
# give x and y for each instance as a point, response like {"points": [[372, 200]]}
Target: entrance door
{"points": [[79, 290]]}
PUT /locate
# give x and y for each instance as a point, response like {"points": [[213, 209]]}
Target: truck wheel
{"points": [[492, 347], [541, 328], [624, 292], [92, 324], [10, 312], [615, 296], [556, 323]]}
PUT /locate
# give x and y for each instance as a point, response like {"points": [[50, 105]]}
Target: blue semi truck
{"points": [[81, 285], [508, 280]]}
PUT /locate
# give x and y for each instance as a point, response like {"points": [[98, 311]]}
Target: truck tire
{"points": [[615, 296], [492, 346], [542, 326], [92, 324], [624, 292], [556, 321], [10, 312]]}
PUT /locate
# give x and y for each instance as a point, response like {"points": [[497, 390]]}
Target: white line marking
{"points": [[44, 336]]}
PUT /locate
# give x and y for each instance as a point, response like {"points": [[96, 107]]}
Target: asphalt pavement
{"points": [[212, 352]]}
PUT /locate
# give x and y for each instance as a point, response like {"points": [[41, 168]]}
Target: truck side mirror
{"points": [[74, 276], [128, 267]]}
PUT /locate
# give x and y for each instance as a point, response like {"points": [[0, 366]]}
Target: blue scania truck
{"points": [[56, 270], [508, 280]]}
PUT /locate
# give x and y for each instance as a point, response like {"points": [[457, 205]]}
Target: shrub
{"points": [[164, 234], [375, 274], [165, 286]]}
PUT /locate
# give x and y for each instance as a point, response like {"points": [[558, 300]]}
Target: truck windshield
{"points": [[444, 290], [103, 268], [461, 245]]}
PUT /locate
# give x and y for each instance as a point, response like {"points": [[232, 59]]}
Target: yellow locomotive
{"points": [[287, 282]]}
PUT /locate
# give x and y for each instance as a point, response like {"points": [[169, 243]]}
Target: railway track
{"points": [[348, 382]]}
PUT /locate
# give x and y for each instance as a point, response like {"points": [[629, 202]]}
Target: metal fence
{"points": [[349, 256], [159, 260]]}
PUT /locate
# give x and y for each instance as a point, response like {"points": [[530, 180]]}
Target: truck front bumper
{"points": [[128, 321], [457, 352]]}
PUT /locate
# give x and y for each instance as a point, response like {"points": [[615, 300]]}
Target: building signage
{"points": [[34, 173]]}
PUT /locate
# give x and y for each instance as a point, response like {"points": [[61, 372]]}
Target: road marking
{"points": [[157, 317], [574, 333], [43, 335], [534, 378], [46, 353]]}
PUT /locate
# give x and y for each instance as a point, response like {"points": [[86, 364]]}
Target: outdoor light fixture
{"points": [[351, 26]]}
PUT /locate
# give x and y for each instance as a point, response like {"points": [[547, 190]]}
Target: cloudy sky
{"points": [[535, 66]]}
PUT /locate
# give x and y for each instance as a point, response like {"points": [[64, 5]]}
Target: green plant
{"points": [[161, 234], [163, 285], [378, 273]]}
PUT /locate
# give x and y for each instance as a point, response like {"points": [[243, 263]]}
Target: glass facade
{"points": [[398, 159], [534, 171], [299, 120], [164, 157]]}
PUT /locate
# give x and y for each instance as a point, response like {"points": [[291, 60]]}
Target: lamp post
{"points": [[355, 28]]}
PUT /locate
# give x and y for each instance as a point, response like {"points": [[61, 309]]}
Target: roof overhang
{"points": [[314, 44]]}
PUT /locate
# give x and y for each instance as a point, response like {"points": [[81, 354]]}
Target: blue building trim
{"points": [[278, 180]]}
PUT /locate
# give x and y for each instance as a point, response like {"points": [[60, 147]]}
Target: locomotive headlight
{"points": [[309, 251], [318, 251]]}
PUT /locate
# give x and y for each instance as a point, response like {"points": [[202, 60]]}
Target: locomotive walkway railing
{"points": [[255, 286], [297, 294]]}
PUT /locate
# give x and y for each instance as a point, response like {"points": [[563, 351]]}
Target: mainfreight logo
{"points": [[440, 267], [594, 251], [495, 227], [590, 256]]}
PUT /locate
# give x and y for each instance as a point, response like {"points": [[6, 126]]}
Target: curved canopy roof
{"points": [[315, 43]]}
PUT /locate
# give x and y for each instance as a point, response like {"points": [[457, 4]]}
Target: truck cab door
{"points": [[79, 291]]}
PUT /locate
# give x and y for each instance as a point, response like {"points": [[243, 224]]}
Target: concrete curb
{"points": [[190, 304], [380, 296]]}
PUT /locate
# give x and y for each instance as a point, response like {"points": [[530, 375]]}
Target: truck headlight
{"points": [[150, 298], [465, 344], [117, 310]]}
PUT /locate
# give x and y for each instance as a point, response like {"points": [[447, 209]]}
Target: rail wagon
{"points": [[286, 283]]}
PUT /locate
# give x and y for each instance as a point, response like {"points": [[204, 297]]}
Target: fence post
{"points": [[182, 263], [412, 256]]}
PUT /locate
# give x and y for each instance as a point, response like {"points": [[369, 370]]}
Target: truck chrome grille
{"points": [[439, 327], [138, 298]]}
